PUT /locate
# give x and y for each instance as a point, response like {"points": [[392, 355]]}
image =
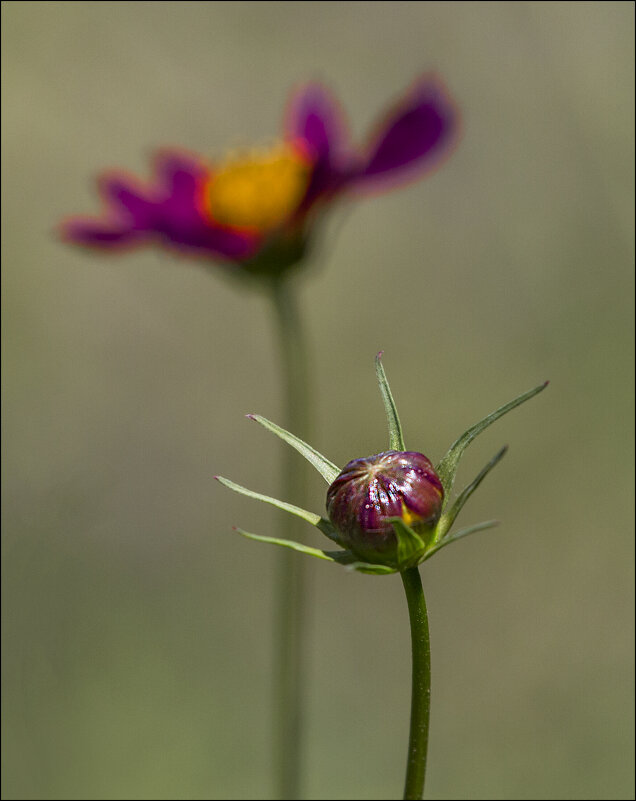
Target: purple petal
{"points": [[96, 233], [180, 220], [128, 199], [167, 209], [178, 176], [314, 116], [413, 136]]}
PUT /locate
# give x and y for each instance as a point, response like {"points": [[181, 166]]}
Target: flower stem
{"points": [[421, 685], [290, 590]]}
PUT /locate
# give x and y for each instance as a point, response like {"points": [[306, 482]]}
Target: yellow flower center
{"points": [[260, 190]]}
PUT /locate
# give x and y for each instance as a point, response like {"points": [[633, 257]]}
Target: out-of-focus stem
{"points": [[290, 590]]}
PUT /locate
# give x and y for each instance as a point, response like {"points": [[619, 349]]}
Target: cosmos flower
{"points": [[257, 208]]}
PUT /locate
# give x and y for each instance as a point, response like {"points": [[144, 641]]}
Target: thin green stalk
{"points": [[290, 590], [421, 685]]}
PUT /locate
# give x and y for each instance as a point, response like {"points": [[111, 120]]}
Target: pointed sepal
{"points": [[327, 469], [396, 439], [447, 467], [410, 546], [448, 518], [371, 569], [316, 520], [458, 535], [344, 558]]}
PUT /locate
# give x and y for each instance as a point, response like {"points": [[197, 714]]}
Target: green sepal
{"points": [[458, 535], [396, 440], [410, 546], [342, 557], [448, 518], [316, 520], [327, 469], [447, 467], [345, 558], [371, 569]]}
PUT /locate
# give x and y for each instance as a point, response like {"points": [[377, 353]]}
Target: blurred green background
{"points": [[137, 651]]}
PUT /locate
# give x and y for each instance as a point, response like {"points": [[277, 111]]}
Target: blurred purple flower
{"points": [[240, 209]]}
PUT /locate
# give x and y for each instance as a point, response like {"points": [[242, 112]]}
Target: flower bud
{"points": [[370, 491]]}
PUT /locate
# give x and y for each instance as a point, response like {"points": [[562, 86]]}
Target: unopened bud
{"points": [[370, 491]]}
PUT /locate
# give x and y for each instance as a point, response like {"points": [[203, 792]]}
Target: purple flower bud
{"points": [[369, 491]]}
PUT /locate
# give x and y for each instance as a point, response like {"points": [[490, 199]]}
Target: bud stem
{"points": [[289, 590], [421, 685]]}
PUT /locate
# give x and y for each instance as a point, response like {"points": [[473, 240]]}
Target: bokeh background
{"points": [[137, 635]]}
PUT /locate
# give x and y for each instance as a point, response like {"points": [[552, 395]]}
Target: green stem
{"points": [[290, 592], [421, 685]]}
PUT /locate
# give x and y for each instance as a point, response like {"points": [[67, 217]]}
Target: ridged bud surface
{"points": [[369, 491]]}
